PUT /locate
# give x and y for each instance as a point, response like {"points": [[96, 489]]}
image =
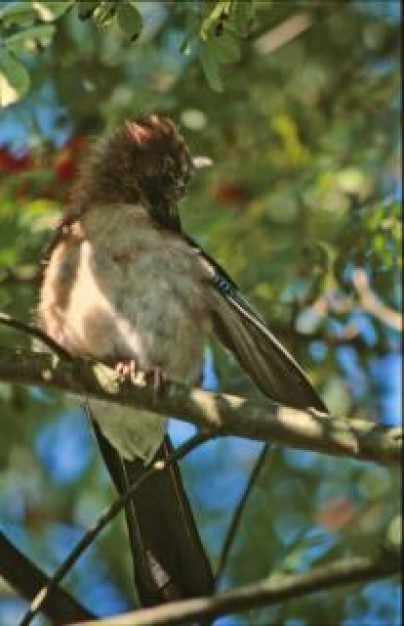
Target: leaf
{"points": [[86, 8], [226, 48], [14, 79], [27, 38], [104, 13], [242, 15], [49, 10], [222, 7], [17, 14], [129, 20], [210, 67]]}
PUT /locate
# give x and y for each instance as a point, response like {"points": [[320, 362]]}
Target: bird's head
{"points": [[144, 161]]}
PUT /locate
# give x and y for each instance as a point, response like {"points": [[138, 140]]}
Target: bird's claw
{"points": [[126, 369]]}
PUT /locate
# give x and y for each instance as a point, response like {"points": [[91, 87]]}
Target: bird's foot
{"points": [[126, 369]]}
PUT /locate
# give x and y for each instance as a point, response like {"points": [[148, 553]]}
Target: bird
{"points": [[124, 284]]}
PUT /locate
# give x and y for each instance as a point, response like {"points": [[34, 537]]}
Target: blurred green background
{"points": [[297, 104]]}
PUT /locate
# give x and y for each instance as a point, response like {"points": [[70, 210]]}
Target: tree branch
{"points": [[225, 414], [28, 580], [273, 590]]}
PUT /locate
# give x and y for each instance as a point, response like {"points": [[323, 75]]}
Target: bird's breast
{"points": [[128, 290]]}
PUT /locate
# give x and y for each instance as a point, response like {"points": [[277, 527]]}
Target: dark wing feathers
{"points": [[262, 356]]}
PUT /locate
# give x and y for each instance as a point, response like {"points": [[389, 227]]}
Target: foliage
{"points": [[297, 105]]}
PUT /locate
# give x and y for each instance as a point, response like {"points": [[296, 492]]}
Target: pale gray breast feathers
{"points": [[134, 291]]}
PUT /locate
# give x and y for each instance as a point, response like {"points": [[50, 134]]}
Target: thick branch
{"points": [[230, 415], [28, 580], [273, 590]]}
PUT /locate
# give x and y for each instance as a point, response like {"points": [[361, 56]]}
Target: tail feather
{"points": [[168, 556]]}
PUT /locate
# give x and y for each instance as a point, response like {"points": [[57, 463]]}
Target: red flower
{"points": [[65, 167], [12, 163]]}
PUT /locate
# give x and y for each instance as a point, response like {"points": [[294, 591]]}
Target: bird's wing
{"points": [[245, 334]]}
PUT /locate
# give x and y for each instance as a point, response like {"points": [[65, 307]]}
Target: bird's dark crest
{"points": [[144, 161]]}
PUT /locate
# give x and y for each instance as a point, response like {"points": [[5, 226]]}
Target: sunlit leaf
{"points": [[14, 79], [49, 10], [221, 8], [104, 13]]}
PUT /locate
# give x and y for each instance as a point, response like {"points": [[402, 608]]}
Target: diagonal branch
{"points": [[225, 414], [273, 590], [28, 580]]}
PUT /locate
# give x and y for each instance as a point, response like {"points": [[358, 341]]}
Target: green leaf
{"points": [[222, 7], [49, 10], [26, 39], [210, 67], [226, 48], [242, 15], [17, 14], [129, 20], [104, 13], [14, 79], [86, 8]]}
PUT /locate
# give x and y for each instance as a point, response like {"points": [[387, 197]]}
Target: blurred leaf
{"points": [[27, 38], [220, 9], [210, 66], [394, 531], [17, 14], [226, 48], [104, 13], [14, 79], [129, 20], [86, 8], [242, 14], [50, 10]]}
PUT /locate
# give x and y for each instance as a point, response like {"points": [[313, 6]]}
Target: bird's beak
{"points": [[201, 161]]}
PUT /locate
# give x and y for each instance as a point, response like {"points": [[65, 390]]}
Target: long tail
{"points": [[168, 556]]}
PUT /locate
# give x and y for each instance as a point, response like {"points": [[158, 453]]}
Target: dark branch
{"points": [[28, 580]]}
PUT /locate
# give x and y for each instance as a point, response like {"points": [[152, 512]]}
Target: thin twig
{"points": [[105, 518], [238, 512]]}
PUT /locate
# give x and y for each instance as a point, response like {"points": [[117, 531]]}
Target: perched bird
{"points": [[124, 284]]}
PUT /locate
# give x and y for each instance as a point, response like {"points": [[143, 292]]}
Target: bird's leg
{"points": [[156, 376]]}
